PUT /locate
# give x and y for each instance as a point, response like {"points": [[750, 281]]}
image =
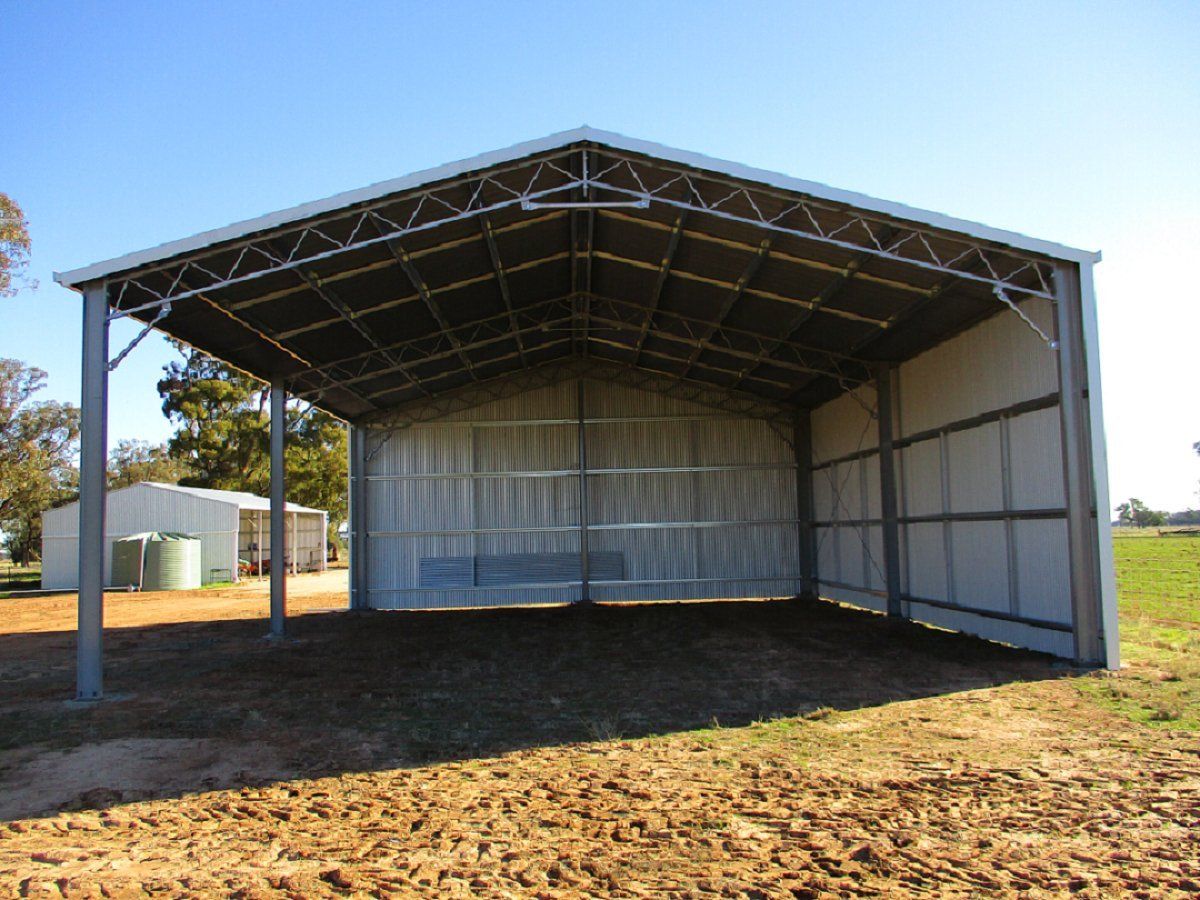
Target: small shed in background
{"points": [[230, 525]]}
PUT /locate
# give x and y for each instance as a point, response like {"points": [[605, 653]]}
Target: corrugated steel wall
{"points": [[699, 504], [982, 523], [134, 510]]}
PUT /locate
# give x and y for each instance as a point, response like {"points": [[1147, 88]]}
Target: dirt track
{"points": [[766, 749]]}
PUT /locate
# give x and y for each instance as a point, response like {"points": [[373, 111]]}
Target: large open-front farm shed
{"points": [[591, 368]]}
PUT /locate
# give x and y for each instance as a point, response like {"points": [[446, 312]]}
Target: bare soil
{"points": [[720, 749]]}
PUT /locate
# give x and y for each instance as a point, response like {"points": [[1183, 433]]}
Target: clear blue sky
{"points": [[129, 124]]}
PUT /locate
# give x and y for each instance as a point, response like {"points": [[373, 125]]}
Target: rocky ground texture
{"points": [[751, 750]]}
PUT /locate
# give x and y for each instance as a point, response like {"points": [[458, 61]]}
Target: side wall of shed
{"points": [[134, 510], [979, 470], [483, 507]]}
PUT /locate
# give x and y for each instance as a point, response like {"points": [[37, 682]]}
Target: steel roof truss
{"points": [[856, 231]]}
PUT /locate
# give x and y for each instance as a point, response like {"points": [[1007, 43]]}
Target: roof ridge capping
{"points": [[74, 278]]}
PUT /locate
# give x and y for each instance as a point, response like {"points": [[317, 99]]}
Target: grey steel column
{"points": [[358, 518], [1077, 466], [93, 459], [278, 529], [805, 514], [887, 488], [584, 564]]}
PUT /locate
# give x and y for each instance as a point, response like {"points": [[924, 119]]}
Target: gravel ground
{"points": [[723, 749]]}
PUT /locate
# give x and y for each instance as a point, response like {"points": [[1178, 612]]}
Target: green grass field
{"points": [[20, 578], [1158, 589], [1158, 578]]}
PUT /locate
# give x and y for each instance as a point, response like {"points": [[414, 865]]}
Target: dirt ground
{"points": [[720, 749]]}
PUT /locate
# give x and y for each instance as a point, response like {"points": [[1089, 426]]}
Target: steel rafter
{"points": [[345, 313], [266, 334], [560, 312], [404, 261], [735, 342], [710, 367], [661, 281], [564, 327], [653, 181], [417, 351], [489, 235], [339, 232], [834, 287], [732, 285], [767, 208], [776, 254], [731, 299]]}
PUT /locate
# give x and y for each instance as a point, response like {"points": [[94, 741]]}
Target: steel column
{"points": [[887, 488], [93, 460], [584, 573], [1077, 466], [278, 528], [1095, 405], [358, 518], [805, 512]]}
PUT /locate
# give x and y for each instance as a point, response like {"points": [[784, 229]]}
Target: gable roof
{"points": [[583, 134], [582, 248]]}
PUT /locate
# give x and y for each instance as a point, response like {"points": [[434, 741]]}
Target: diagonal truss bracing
{"points": [[580, 183], [524, 181]]}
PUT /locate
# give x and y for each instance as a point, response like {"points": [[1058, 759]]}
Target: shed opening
{"points": [[594, 368]]}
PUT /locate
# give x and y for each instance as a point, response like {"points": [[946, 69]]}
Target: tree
{"points": [[14, 246], [37, 452], [1133, 512], [133, 461], [223, 435]]}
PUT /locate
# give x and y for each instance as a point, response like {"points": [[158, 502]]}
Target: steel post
{"points": [[805, 513], [887, 489], [358, 517], [93, 461], [584, 566], [278, 528], [1077, 467]]}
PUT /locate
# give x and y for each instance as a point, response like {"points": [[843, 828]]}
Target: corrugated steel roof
{"points": [[240, 499], [582, 248]]}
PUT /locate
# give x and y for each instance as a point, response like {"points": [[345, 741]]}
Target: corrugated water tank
{"points": [[157, 561]]}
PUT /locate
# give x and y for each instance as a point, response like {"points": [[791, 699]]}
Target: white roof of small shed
{"points": [[240, 499]]}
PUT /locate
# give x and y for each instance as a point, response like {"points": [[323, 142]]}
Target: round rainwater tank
{"points": [[172, 562]]}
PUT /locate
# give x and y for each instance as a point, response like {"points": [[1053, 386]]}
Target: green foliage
{"points": [[14, 246], [1133, 512], [132, 461], [223, 436], [37, 450]]}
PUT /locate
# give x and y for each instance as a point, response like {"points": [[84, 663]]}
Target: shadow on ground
{"points": [[213, 705]]}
